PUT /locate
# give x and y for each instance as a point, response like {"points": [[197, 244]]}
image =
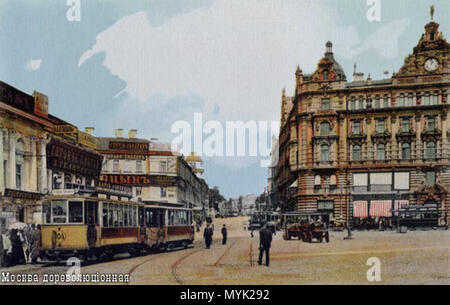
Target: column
{"points": [[12, 159], [43, 165], [33, 182], [2, 170]]}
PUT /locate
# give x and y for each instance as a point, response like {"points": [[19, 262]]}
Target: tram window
{"points": [[110, 215], [133, 216], [46, 212], [115, 215], [162, 218], [75, 211], [59, 211], [171, 218], [105, 214], [125, 216], [120, 215], [91, 212]]}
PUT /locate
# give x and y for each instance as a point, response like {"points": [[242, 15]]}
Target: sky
{"points": [[148, 64]]}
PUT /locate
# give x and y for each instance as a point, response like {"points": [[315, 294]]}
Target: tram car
{"points": [[90, 226], [168, 227]]}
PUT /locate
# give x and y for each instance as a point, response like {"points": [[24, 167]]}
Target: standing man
{"points": [[224, 235], [207, 235], [265, 240]]}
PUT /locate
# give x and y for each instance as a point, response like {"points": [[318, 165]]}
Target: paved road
{"points": [[421, 257]]}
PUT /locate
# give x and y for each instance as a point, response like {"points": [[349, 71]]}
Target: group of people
{"points": [[265, 240], [20, 246]]}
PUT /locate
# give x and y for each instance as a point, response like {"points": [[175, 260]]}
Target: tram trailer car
{"points": [[80, 226], [168, 227]]}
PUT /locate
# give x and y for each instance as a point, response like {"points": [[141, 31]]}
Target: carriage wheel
{"points": [[327, 237]]}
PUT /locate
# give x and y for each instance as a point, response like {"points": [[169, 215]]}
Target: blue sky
{"points": [[146, 64]]}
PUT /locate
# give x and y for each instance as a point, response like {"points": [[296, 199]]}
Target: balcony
{"points": [[381, 136], [431, 134], [405, 136], [359, 137]]}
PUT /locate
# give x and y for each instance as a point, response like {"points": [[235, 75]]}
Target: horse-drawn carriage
{"points": [[305, 227]]}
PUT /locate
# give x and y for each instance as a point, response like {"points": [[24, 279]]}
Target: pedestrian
{"points": [[207, 235], [17, 256], [35, 245], [265, 240], [6, 250], [224, 234]]}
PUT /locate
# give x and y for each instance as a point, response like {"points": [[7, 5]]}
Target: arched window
{"points": [[20, 151], [324, 129], [406, 151], [325, 152], [430, 150], [356, 152], [325, 74], [381, 152]]}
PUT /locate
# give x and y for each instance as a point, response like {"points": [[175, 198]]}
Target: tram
{"points": [[90, 226]]}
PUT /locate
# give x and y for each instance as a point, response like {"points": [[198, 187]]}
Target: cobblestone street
{"points": [[414, 258]]}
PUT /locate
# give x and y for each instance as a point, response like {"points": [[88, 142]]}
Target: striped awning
{"points": [[400, 204], [360, 209], [381, 208]]}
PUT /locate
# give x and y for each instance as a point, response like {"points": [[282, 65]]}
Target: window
{"points": [[410, 100], [325, 74], [401, 100], [356, 127], [317, 180], [361, 103], [381, 152], [404, 125], [430, 178], [162, 192], [138, 166], [401, 181], [116, 166], [377, 102], [110, 214], [59, 212], [430, 150], [326, 104], [435, 99], [163, 166], [380, 127], [18, 176], [406, 151], [356, 152], [386, 101], [352, 104], [325, 152], [426, 98], [75, 211], [324, 129], [105, 214], [431, 123]]}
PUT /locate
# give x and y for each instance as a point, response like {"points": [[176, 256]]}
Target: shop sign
{"points": [[40, 104], [17, 194]]}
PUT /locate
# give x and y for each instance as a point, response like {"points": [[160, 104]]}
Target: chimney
{"points": [[118, 132], [89, 130], [357, 76], [132, 133]]}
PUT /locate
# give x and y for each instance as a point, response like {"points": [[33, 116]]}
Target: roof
{"points": [[193, 158]]}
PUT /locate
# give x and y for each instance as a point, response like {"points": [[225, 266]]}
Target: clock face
{"points": [[431, 64]]}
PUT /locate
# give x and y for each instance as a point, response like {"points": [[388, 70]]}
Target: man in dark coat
{"points": [[224, 235], [265, 240], [207, 235]]}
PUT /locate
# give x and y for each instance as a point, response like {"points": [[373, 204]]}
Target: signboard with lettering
{"points": [[66, 157], [132, 146], [87, 140], [107, 187], [126, 156], [64, 129], [22, 194], [140, 180], [16, 98], [40, 104]]}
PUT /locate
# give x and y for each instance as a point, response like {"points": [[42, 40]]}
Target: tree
{"points": [[215, 198]]}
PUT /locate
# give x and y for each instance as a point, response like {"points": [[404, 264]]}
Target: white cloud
{"points": [[238, 54], [33, 64]]}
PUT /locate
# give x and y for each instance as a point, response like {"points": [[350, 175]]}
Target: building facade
{"points": [[362, 149]]}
